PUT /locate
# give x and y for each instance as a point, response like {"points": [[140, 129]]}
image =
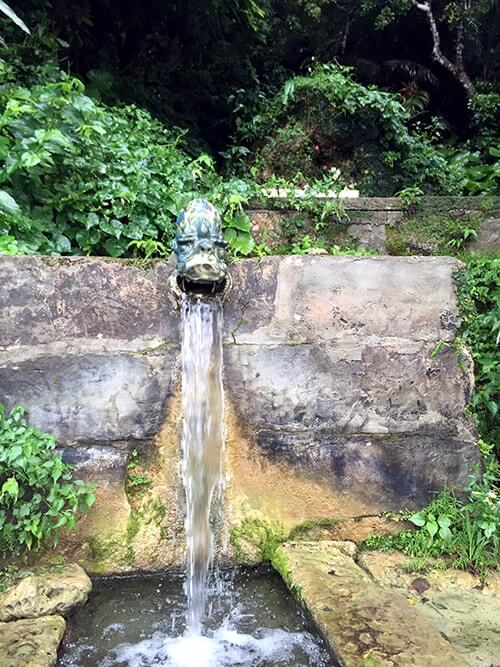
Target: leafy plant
{"points": [[82, 178], [478, 288], [38, 497], [410, 197], [465, 533], [434, 526]]}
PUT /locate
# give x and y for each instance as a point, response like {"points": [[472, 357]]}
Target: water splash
{"points": [[202, 443]]}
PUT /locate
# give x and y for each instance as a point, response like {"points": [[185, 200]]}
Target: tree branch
{"points": [[456, 68]]}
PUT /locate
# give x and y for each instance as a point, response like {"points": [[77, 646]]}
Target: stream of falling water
{"points": [[202, 443]]}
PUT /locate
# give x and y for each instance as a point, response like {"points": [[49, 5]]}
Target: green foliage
{"points": [[477, 172], [38, 497], [328, 120], [410, 197], [485, 109], [81, 178], [478, 288], [465, 533]]}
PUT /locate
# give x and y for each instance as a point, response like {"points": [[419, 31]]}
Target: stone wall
{"points": [[337, 404], [367, 220]]}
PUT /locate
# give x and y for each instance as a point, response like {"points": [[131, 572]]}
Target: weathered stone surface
{"points": [[357, 529], [46, 299], [31, 643], [46, 594], [82, 397], [488, 238], [338, 381], [99, 464], [319, 299], [363, 623], [455, 602]]}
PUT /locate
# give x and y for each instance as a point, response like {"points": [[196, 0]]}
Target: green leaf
{"points": [[63, 244], [444, 521], [7, 203], [230, 235], [240, 221], [445, 534], [417, 519], [243, 244], [10, 487], [431, 527]]}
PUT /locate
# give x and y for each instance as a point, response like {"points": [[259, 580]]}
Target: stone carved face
{"points": [[200, 246]]}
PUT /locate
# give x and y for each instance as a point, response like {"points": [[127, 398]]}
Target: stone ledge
{"points": [[362, 623], [366, 219]]}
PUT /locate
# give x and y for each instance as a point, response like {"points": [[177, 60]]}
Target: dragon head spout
{"points": [[200, 249]]}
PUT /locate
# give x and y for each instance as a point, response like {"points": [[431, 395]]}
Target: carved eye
{"points": [[185, 241], [221, 244]]}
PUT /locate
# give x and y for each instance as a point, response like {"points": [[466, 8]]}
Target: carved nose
{"points": [[205, 244]]}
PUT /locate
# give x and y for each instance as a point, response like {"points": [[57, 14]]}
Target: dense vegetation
{"points": [[112, 116]]}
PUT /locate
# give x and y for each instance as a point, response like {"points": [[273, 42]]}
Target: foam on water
{"points": [[252, 622], [226, 648]]}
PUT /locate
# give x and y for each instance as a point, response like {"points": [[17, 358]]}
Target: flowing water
{"points": [[223, 619], [202, 442], [141, 622]]}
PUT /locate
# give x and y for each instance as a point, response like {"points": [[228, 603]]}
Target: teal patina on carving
{"points": [[200, 249]]}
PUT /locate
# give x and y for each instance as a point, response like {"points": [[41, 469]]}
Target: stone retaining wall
{"points": [[366, 219], [336, 405]]}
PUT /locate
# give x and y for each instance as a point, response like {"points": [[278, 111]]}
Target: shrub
{"points": [[326, 119], [79, 177], [38, 497]]}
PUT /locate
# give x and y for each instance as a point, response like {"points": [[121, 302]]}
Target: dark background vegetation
{"points": [[204, 63]]}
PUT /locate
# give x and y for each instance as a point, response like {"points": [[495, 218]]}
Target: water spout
{"points": [[200, 250]]}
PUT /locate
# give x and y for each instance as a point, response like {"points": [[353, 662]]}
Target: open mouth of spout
{"points": [[205, 288]]}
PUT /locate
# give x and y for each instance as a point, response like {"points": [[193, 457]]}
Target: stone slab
{"points": [[296, 299], [47, 298], [456, 602], [362, 623], [81, 397]]}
